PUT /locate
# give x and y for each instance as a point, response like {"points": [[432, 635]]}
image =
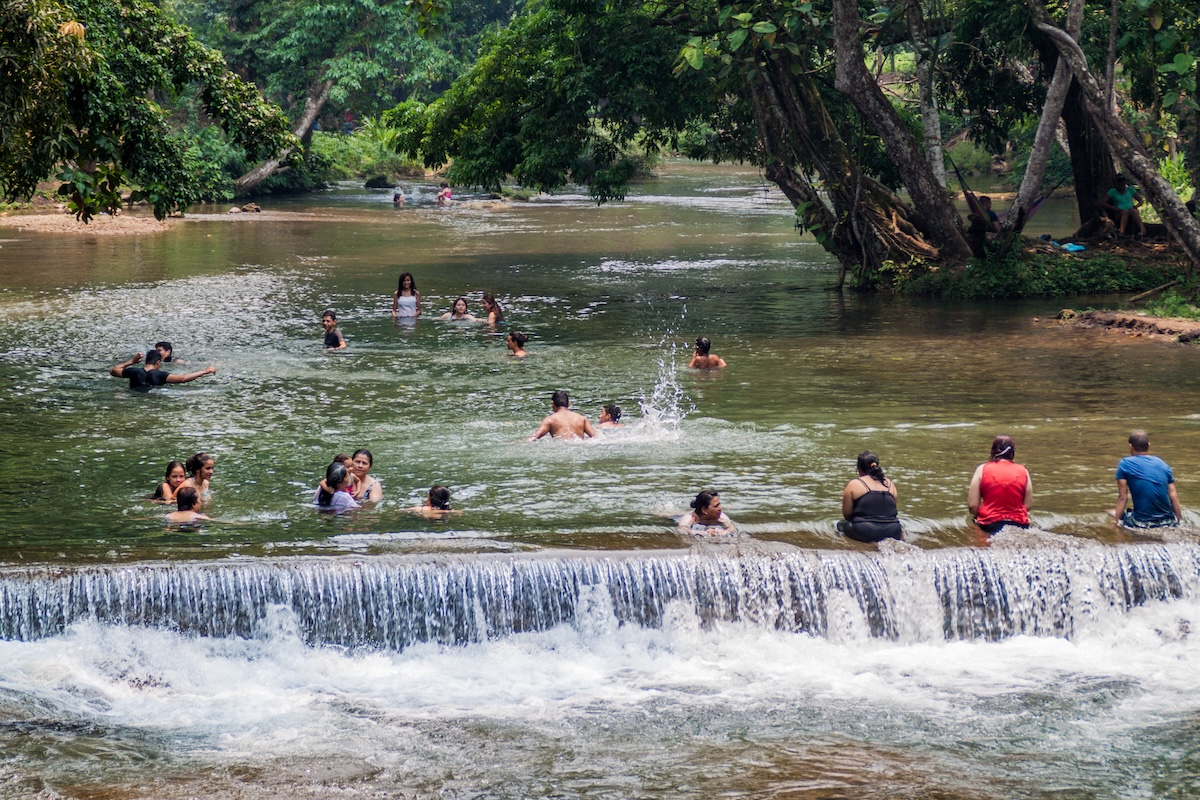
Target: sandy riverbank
{"points": [[100, 225]]}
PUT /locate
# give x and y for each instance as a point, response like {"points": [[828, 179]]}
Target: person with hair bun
{"points": [[706, 517], [515, 342], [869, 504], [1001, 490], [437, 503]]}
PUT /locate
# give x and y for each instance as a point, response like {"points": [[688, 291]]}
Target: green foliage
{"points": [[1181, 304], [1020, 274], [367, 152], [1176, 173], [971, 158]]}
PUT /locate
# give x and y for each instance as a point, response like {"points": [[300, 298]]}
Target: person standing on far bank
{"points": [[1149, 482]]}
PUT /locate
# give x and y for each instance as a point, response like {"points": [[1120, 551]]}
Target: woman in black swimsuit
{"points": [[869, 504]]}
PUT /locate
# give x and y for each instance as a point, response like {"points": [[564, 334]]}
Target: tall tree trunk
{"points": [[933, 206], [1043, 140], [1124, 142], [318, 95], [931, 122]]}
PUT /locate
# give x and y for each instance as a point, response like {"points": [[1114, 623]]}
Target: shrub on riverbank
{"points": [[1180, 302], [1034, 274], [365, 153]]}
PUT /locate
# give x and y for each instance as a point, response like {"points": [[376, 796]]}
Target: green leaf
{"points": [[694, 57], [768, 27], [744, 18], [737, 38]]}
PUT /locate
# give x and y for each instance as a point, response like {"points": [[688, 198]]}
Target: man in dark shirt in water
{"points": [[142, 378], [334, 340]]}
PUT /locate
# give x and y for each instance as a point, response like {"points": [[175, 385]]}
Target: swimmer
{"points": [[406, 301], [334, 492], [706, 517], [200, 468], [444, 194], [495, 314], [142, 378], [366, 488], [564, 423], [347, 461], [398, 198], [166, 351], [185, 512], [437, 503], [176, 475], [610, 416], [515, 342], [334, 340], [702, 359], [458, 312]]}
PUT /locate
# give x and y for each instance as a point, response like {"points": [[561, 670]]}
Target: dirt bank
{"points": [[1165, 328], [101, 224]]}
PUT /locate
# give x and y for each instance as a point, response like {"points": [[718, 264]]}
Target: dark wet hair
{"points": [[439, 497], [1139, 441], [158, 492], [329, 312], [362, 451], [196, 462], [400, 283], [703, 345], [165, 346], [335, 476], [613, 410], [1003, 448], [466, 308], [186, 499], [490, 300], [704, 499], [518, 337], [444, 185], [153, 357], [560, 399], [868, 464]]}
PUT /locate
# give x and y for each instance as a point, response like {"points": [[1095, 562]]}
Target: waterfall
{"points": [[393, 602]]}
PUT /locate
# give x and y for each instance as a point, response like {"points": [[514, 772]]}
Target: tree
{"points": [[93, 103]]}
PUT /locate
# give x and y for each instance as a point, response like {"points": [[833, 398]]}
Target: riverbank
{"points": [[100, 225], [1135, 324]]}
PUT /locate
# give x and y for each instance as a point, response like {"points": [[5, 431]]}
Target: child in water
{"points": [[185, 512], [334, 493], [334, 340], [437, 503], [176, 475]]}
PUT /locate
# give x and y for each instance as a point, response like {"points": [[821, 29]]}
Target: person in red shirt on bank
{"points": [[1001, 490]]}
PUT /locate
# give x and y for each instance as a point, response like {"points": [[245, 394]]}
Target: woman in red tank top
{"points": [[1001, 490]]}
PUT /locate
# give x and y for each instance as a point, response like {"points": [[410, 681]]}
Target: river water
{"points": [[558, 638]]}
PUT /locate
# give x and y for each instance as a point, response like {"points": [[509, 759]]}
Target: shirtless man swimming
{"points": [[564, 423]]}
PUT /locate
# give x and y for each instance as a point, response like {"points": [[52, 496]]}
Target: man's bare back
{"points": [[565, 424]]}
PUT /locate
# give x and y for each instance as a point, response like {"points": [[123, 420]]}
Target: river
{"points": [[558, 638]]}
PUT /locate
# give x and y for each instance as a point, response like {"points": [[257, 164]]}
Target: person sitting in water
{"points": [[495, 314], [166, 351], [1001, 490], [142, 378], [1121, 203], [185, 512], [398, 197], [366, 488], [706, 517], [703, 359], [444, 194], [334, 340], [176, 475], [1150, 483], [610, 416], [200, 468], [869, 504], [334, 492], [347, 461], [564, 423], [437, 503], [406, 302], [515, 342], [458, 312]]}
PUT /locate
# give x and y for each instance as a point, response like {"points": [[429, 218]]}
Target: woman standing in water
{"points": [[869, 504], [176, 475], [706, 517], [406, 301], [495, 314], [458, 312], [366, 488], [200, 468], [1001, 491]]}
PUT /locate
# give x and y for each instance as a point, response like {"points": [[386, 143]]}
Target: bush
{"points": [[369, 151]]}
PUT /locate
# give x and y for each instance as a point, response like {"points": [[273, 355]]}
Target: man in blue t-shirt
{"points": [[1149, 482]]}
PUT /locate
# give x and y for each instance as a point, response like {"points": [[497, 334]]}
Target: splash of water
{"points": [[667, 404]]}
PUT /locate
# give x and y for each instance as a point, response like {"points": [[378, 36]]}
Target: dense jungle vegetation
{"points": [[854, 109]]}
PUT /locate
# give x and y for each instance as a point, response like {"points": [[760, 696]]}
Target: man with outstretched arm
{"points": [[1150, 483], [564, 423], [142, 378]]}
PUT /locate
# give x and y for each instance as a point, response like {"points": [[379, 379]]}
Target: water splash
{"points": [[667, 405]]}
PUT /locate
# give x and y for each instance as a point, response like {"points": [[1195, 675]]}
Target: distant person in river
{"points": [[200, 469], [564, 423], [334, 492], [406, 300], [458, 312], [515, 342], [706, 517], [1150, 483], [165, 350], [1121, 202], [1001, 490], [398, 197], [610, 416], [444, 194], [141, 379], [495, 314], [334, 340], [185, 512], [869, 504], [176, 475], [702, 358], [437, 503]]}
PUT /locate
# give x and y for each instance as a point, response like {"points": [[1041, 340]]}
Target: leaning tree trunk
{"points": [[1124, 142], [317, 97], [932, 203]]}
